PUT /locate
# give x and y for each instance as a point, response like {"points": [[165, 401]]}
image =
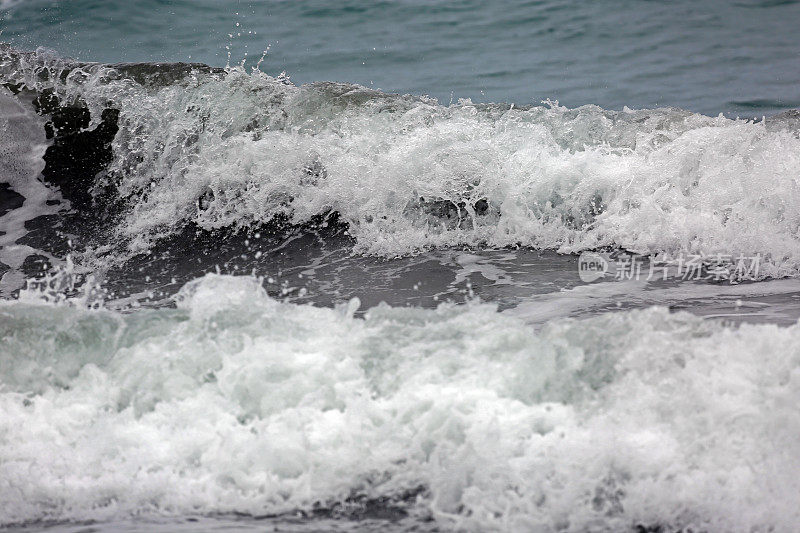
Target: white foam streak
{"points": [[591, 299]]}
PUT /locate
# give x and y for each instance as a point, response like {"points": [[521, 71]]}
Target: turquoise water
{"points": [[739, 58]]}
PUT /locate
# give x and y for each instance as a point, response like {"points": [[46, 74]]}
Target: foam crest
{"points": [[235, 150], [238, 403], [652, 182]]}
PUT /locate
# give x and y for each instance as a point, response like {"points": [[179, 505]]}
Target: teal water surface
{"points": [[738, 58]]}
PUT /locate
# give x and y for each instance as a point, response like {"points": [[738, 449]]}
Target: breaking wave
{"points": [[237, 403], [227, 148]]}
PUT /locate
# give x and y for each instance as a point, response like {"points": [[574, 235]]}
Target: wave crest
{"points": [[232, 149]]}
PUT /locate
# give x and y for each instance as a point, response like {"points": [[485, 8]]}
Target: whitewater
{"points": [[235, 402], [233, 301], [231, 149]]}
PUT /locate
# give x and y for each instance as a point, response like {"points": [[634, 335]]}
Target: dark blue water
{"points": [[738, 58]]}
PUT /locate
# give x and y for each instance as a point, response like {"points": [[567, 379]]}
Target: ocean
{"points": [[399, 266]]}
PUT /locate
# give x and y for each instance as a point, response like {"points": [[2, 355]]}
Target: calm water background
{"points": [[738, 58]]}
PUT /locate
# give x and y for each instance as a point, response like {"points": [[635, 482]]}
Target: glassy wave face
{"points": [[286, 399], [237, 403]]}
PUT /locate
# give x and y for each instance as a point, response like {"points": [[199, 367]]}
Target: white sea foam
{"points": [[406, 173], [238, 403]]}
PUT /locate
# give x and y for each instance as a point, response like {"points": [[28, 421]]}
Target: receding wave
{"points": [[230, 149]]}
